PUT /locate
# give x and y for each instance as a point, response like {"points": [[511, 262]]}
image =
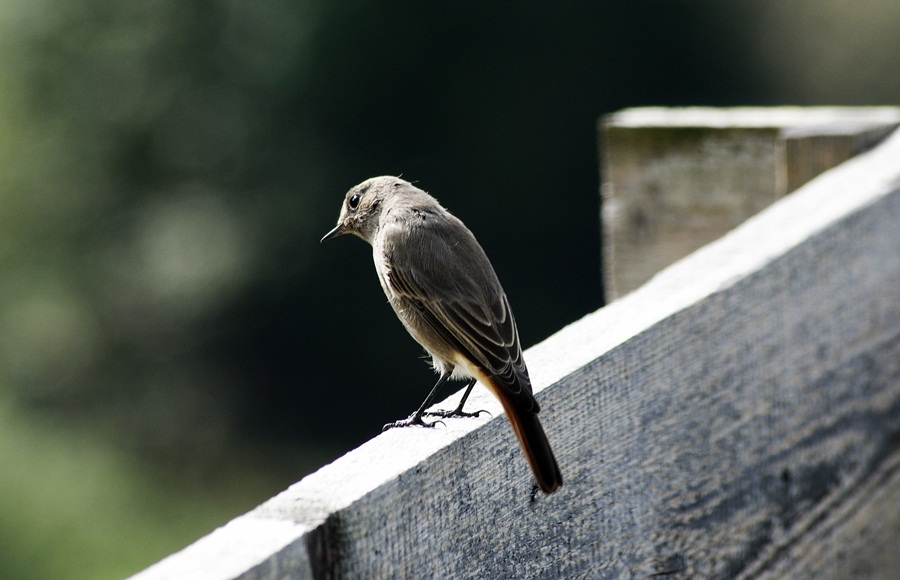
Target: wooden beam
{"points": [[738, 415], [677, 179]]}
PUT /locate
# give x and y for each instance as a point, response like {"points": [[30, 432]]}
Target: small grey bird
{"points": [[445, 292]]}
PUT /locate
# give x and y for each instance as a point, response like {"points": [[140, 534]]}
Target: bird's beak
{"points": [[337, 231]]}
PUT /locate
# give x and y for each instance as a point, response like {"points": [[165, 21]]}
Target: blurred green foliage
{"points": [[175, 346]]}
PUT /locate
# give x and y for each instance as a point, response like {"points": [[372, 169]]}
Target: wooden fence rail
{"points": [[736, 416]]}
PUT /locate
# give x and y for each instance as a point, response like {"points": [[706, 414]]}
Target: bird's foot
{"points": [[413, 420], [457, 412]]}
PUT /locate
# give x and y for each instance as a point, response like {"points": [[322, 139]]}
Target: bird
{"points": [[444, 290]]}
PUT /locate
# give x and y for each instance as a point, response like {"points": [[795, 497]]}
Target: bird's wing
{"points": [[455, 291]]}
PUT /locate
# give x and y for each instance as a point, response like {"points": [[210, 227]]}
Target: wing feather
{"points": [[454, 289]]}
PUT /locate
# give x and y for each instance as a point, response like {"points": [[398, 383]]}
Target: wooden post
{"points": [[737, 416], [677, 179]]}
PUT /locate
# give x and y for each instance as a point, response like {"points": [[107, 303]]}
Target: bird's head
{"points": [[363, 206]]}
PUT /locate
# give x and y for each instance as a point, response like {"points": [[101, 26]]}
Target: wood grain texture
{"points": [[675, 179], [738, 415]]}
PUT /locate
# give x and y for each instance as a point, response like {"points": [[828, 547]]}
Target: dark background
{"points": [[176, 346]]}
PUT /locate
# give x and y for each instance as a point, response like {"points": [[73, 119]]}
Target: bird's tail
{"points": [[535, 445]]}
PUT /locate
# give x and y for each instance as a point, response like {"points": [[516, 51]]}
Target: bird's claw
{"points": [[412, 420], [455, 413]]}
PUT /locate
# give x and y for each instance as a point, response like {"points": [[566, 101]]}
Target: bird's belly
{"points": [[444, 356]]}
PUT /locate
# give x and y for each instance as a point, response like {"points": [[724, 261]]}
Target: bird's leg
{"points": [[458, 411], [416, 418]]}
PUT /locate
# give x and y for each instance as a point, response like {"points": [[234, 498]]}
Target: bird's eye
{"points": [[353, 202]]}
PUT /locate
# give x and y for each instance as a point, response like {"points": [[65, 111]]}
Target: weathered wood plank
{"points": [[858, 538], [676, 179], [713, 423]]}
